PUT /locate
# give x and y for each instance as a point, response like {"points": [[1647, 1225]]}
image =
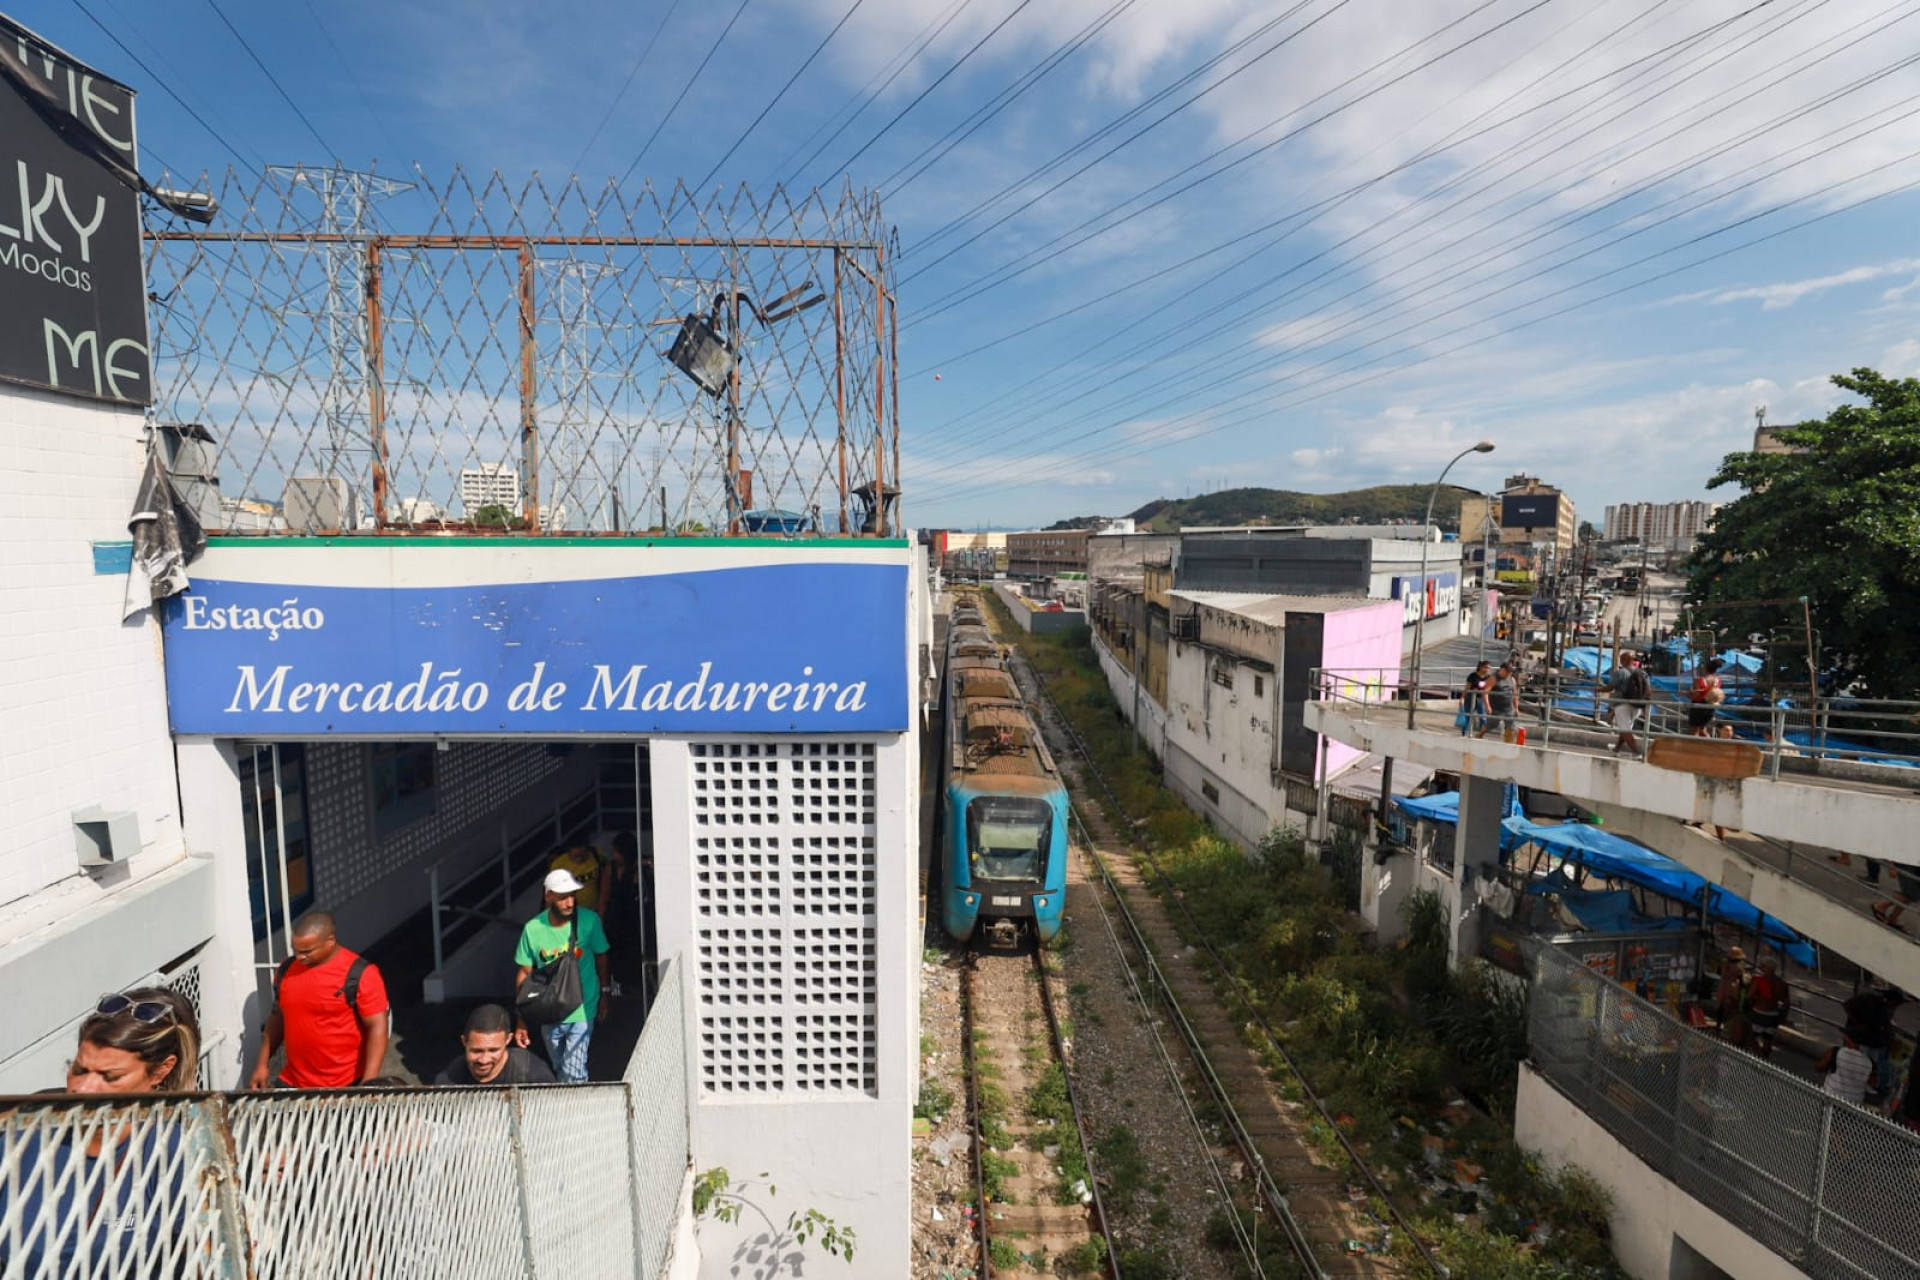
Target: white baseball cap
{"points": [[562, 881]]}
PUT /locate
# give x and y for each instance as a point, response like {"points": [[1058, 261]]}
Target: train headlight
{"points": [[971, 899], [1039, 902]]}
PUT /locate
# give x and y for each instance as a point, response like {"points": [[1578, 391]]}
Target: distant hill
{"points": [[1382, 504]]}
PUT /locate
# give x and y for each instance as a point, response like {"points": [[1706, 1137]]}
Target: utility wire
{"points": [[1295, 132], [331, 152], [960, 132], [358, 85], [1119, 122], [1444, 144], [161, 83], [613, 104], [661, 123], [1032, 477], [1135, 408], [800, 71], [928, 34], [938, 80], [1762, 82], [1543, 135]]}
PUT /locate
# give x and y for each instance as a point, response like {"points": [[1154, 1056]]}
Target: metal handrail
{"points": [[1853, 731]]}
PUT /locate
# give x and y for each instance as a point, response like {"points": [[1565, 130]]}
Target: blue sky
{"points": [[1598, 235]]}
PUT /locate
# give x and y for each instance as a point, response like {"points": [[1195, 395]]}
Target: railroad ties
{"points": [[1012, 1039], [1328, 1203]]}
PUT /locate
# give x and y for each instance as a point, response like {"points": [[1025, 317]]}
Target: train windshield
{"points": [[1007, 836]]}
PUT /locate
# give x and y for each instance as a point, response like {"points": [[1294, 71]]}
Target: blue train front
{"points": [[1006, 859], [1003, 821]]}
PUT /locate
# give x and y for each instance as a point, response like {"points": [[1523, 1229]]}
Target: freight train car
{"points": [[1004, 810]]}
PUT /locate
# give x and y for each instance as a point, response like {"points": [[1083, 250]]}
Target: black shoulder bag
{"points": [[552, 991]]}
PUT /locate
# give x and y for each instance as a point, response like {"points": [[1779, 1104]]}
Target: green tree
{"points": [[1836, 520], [497, 515]]}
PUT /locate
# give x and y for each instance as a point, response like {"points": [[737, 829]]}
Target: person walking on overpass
{"points": [[330, 1011], [565, 928]]}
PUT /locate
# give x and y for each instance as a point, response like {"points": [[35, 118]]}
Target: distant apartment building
{"points": [[491, 484], [1667, 526]]}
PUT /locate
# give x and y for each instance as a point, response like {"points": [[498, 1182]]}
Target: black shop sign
{"points": [[73, 313]]}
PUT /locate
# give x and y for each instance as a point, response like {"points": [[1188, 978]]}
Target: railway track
{"points": [[1339, 1222], [1039, 1204]]}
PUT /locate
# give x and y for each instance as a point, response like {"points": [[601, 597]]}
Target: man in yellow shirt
{"points": [[584, 864]]}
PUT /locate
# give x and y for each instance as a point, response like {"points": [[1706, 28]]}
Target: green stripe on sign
{"points": [[112, 557]]}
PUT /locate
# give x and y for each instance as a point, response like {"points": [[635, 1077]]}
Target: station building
{"points": [[208, 736]]}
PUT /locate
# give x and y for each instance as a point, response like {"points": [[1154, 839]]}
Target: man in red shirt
{"points": [[330, 1010]]}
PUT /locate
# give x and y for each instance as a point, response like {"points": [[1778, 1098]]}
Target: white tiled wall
{"points": [[82, 702]]}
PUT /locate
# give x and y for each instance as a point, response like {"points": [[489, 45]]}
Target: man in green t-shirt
{"points": [[548, 936]]}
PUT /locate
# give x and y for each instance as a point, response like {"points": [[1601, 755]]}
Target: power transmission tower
{"points": [[346, 199], [584, 492]]}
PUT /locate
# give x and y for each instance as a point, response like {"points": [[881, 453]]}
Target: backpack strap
{"points": [[280, 977], [351, 988]]}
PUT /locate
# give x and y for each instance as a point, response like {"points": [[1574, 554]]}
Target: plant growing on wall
{"points": [[777, 1249]]}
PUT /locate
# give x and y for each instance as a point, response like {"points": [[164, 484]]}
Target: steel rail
{"points": [[1073, 1104], [1274, 1196], [979, 1147], [1199, 936]]}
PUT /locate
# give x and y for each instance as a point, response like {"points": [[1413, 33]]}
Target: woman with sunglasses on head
{"points": [[144, 1041], [102, 1178]]}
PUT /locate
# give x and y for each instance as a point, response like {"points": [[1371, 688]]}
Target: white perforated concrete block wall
{"points": [[787, 872]]}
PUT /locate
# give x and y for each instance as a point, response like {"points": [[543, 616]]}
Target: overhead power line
{"points": [[1542, 136], [1762, 83], [938, 80], [613, 103], [685, 89], [162, 83], [331, 152], [775, 100]]}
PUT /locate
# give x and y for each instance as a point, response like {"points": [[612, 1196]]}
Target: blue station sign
{"points": [[788, 648]]}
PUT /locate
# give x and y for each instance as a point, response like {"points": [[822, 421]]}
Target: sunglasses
{"points": [[145, 1012]]}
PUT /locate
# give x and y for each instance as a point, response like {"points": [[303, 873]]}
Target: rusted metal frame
{"points": [[840, 385], [402, 241], [529, 385], [893, 387], [879, 398], [871, 278], [733, 397], [376, 385], [1073, 1105]]}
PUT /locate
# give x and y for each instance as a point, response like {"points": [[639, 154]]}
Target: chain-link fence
{"points": [[572, 1181], [344, 350], [1827, 1185]]}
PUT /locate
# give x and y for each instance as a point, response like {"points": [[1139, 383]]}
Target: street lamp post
{"points": [[1426, 540]]}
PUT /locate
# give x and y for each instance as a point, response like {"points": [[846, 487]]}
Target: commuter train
{"points": [[1003, 819]]}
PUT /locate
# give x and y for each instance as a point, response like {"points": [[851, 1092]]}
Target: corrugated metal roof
{"points": [[1272, 609], [1455, 653]]}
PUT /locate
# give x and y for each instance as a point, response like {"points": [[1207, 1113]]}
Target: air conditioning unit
{"points": [[317, 504]]}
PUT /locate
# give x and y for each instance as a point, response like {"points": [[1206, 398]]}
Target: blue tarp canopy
{"points": [[1617, 858], [1588, 660], [1602, 910]]}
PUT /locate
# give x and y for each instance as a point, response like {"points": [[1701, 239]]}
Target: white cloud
{"points": [[1774, 296], [1097, 478]]}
